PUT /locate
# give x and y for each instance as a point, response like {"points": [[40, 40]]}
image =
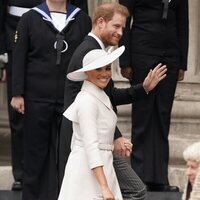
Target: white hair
{"points": [[192, 152]]}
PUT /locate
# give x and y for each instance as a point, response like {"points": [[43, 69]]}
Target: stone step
{"points": [[5, 147], [6, 178], [178, 126], [176, 177], [10, 195], [177, 145]]}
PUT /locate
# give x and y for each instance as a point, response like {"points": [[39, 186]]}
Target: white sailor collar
{"points": [[97, 92], [43, 10]]}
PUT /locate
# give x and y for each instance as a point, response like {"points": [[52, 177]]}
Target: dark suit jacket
{"points": [[151, 35], [117, 96]]}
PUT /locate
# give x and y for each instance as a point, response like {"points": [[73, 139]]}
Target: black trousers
{"points": [[151, 120], [41, 128], [16, 127]]}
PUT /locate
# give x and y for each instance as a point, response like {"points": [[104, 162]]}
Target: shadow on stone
{"points": [[163, 196], [10, 195]]}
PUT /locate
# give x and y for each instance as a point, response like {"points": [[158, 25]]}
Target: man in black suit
{"points": [[159, 33], [10, 13], [108, 23]]}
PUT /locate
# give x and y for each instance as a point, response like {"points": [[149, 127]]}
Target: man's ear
{"points": [[101, 22]]}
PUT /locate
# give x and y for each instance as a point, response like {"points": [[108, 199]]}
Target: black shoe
{"points": [[168, 188], [17, 186], [161, 188]]}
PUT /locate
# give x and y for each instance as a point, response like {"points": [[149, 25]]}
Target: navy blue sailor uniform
{"points": [[41, 57], [10, 13]]}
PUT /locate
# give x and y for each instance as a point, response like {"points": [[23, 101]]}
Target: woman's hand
{"points": [[122, 147], [101, 178], [107, 194], [154, 77], [129, 147]]}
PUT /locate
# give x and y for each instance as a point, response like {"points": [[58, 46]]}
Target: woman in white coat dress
{"points": [[89, 173]]}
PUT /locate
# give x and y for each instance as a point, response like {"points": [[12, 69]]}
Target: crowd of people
{"points": [[81, 152]]}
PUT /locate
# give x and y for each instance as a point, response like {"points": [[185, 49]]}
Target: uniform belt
{"points": [[17, 11], [102, 146]]}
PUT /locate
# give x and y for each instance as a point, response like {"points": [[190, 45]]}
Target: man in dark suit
{"points": [[159, 33], [108, 23], [10, 13]]}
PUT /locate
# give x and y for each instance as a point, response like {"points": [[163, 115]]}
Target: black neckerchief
{"points": [[60, 44]]}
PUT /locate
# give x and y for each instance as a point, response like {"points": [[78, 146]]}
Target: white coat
{"points": [[94, 123]]}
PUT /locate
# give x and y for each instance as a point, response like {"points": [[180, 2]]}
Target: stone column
{"points": [[4, 128], [3, 108], [193, 74], [93, 4]]}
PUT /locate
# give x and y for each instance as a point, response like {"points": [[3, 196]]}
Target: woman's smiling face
{"points": [[100, 77]]}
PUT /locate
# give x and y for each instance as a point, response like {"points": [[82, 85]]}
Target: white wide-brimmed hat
{"points": [[95, 59]]}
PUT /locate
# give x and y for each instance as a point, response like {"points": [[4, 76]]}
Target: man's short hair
{"points": [[192, 152], [107, 11]]}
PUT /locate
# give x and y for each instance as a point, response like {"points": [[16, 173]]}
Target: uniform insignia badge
{"points": [[16, 36], [165, 8]]}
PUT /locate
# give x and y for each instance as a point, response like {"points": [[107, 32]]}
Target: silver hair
{"points": [[192, 152]]}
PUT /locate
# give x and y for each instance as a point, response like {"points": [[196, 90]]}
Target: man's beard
{"points": [[109, 40]]}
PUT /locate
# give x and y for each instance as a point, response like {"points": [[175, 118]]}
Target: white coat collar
{"points": [[97, 92]]}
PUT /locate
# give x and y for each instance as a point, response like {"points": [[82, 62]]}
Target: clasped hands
{"points": [[122, 147]]}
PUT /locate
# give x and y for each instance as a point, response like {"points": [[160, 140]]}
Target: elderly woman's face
{"points": [[192, 169], [100, 77]]}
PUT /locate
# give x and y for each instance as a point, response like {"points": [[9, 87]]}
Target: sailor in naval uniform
{"points": [[45, 40]]}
